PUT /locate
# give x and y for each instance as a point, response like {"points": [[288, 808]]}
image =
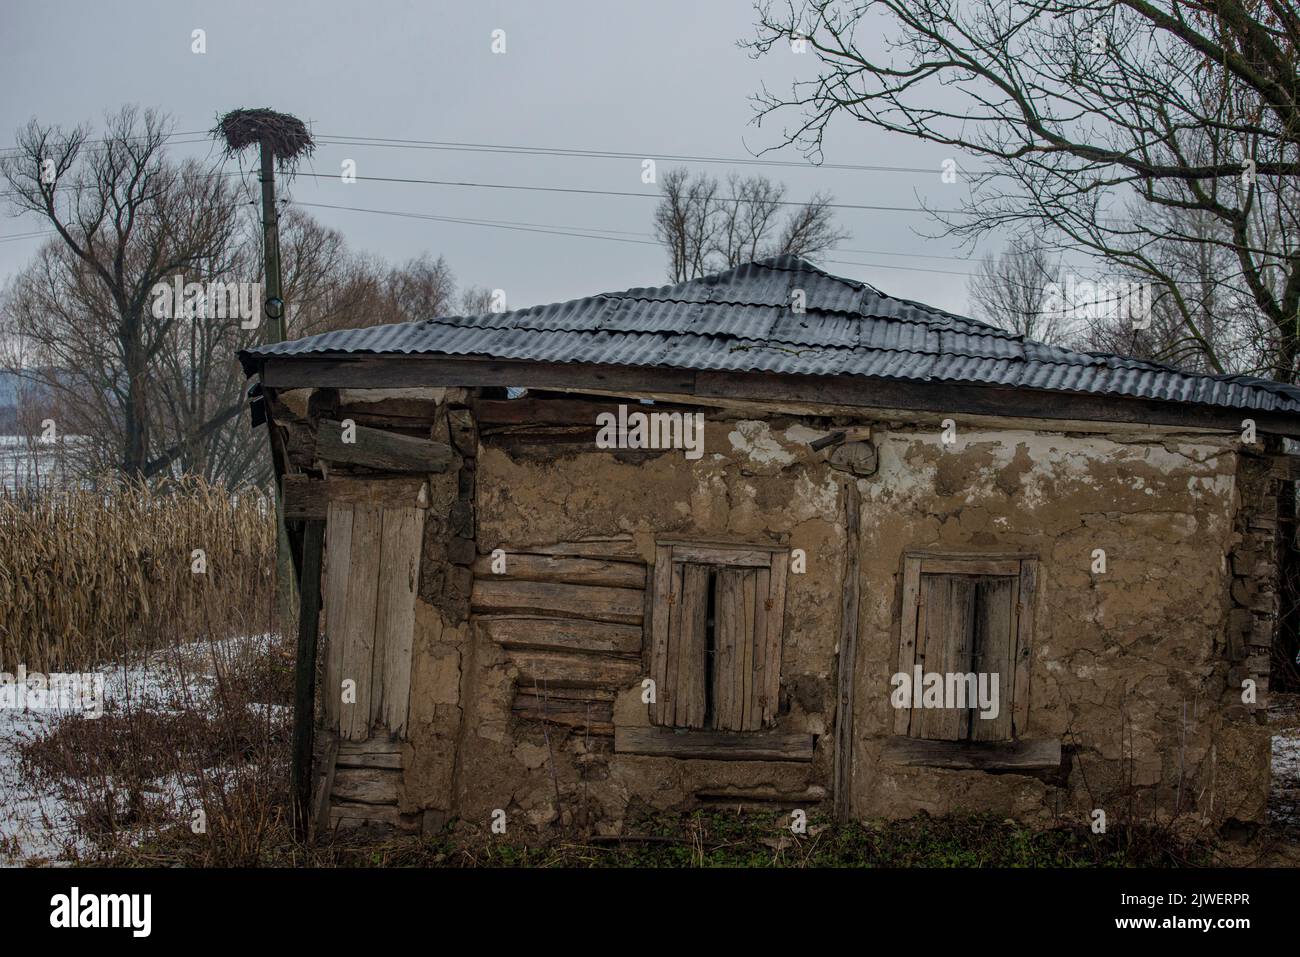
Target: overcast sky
{"points": [[649, 79]]}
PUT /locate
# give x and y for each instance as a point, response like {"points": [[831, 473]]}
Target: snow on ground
{"points": [[34, 822], [1284, 800]]}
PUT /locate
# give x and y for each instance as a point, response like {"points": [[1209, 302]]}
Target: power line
{"points": [[466, 147], [204, 136], [570, 231], [499, 224], [409, 180]]}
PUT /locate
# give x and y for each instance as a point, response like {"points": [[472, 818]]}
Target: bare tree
{"points": [[1010, 291], [423, 288], [476, 301], [126, 220], [1091, 118], [705, 227]]}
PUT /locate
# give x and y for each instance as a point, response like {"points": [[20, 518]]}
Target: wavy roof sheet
{"points": [[741, 320]]}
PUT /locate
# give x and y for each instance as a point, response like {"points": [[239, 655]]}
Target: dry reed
{"points": [[88, 577]]}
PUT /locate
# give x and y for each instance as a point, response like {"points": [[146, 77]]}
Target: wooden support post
{"points": [[304, 699], [848, 652]]}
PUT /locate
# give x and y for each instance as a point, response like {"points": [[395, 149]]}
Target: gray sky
{"points": [[651, 79]]}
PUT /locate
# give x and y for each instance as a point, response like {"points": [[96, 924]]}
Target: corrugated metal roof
{"points": [[741, 320]]}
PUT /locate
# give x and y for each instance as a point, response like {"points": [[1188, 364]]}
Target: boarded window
{"points": [[966, 619], [716, 653]]}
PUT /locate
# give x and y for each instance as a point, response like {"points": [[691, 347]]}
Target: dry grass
{"points": [[191, 754], [88, 576]]}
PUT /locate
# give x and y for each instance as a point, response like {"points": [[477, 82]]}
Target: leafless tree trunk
{"points": [[126, 220], [705, 228], [1089, 120]]}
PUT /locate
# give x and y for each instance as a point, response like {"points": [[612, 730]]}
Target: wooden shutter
{"points": [[945, 630], [688, 666], [993, 651], [968, 614], [748, 598]]}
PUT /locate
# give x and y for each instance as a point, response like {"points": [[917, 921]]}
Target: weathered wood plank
{"points": [[660, 622], [775, 621], [366, 785], [595, 717], [687, 384], [376, 745], [596, 602], [326, 748], [562, 634], [306, 498], [691, 648], [728, 621], [399, 577], [969, 566], [762, 589], [715, 745], [304, 697], [554, 568], [387, 372], [349, 814], [1028, 596], [846, 675], [359, 623], [668, 691], [622, 548], [540, 670], [338, 559], [370, 759], [749, 557], [749, 715], [949, 603], [1023, 755], [378, 449], [994, 653]]}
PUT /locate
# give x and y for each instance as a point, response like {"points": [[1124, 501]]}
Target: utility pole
{"points": [[283, 138], [274, 299], [273, 304]]}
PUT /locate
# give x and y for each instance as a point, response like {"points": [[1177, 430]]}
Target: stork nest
{"points": [[286, 135]]}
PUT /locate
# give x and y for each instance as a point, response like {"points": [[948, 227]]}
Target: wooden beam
{"points": [[304, 694], [307, 499], [378, 449], [366, 785], [847, 665], [853, 391], [1043, 754], [595, 602], [974, 565], [732, 557], [715, 745], [561, 634], [577, 412], [552, 568], [540, 671], [394, 372]]}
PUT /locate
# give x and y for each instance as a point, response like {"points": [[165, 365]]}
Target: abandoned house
{"points": [[774, 539]]}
